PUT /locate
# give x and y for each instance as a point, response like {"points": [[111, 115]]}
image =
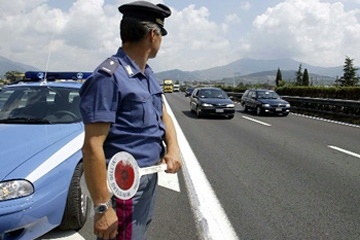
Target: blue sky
{"points": [[77, 35]]}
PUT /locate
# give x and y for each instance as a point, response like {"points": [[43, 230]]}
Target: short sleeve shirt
{"points": [[132, 102]]}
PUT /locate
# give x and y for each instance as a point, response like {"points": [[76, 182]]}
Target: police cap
{"points": [[147, 11]]}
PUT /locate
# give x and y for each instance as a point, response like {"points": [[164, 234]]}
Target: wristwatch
{"points": [[103, 207]]}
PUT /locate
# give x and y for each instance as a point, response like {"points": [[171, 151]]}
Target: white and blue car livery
{"points": [[40, 156]]}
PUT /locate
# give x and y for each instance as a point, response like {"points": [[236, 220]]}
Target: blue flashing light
{"points": [[52, 76]]}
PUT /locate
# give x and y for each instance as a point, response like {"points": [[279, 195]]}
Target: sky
{"points": [[64, 35]]}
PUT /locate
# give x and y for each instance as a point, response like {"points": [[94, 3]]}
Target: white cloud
{"points": [[245, 6], [87, 32], [194, 42], [232, 18], [307, 30]]}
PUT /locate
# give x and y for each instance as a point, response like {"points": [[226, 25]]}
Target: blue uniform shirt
{"points": [[119, 93]]}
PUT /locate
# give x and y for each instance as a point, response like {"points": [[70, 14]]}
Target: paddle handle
{"points": [[153, 169]]}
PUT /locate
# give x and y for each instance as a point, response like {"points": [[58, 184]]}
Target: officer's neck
{"points": [[137, 53]]}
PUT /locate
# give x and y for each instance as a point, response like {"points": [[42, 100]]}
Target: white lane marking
{"points": [[210, 216], [257, 121], [326, 120], [344, 151], [169, 181], [57, 158], [61, 235]]}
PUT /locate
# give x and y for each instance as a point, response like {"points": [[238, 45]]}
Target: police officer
{"points": [[122, 109]]}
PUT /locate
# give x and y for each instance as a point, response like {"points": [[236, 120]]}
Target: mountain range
{"points": [[247, 71], [7, 65], [254, 71]]}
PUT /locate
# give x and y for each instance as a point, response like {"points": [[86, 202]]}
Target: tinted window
{"points": [[41, 104]]}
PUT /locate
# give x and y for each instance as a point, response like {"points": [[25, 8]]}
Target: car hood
{"points": [[272, 101], [24, 147], [215, 101]]}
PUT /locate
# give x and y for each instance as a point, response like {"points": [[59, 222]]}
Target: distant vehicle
{"points": [[41, 160], [211, 101], [264, 101], [189, 91], [176, 87], [168, 86]]}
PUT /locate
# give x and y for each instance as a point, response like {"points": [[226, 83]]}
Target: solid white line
{"points": [[326, 120], [211, 218], [344, 151], [257, 121]]}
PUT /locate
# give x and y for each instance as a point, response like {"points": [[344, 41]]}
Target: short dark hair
{"points": [[133, 29]]}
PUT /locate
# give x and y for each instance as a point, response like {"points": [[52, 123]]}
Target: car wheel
{"points": [[285, 114], [259, 111], [246, 109], [77, 204], [198, 113], [230, 116], [191, 109]]}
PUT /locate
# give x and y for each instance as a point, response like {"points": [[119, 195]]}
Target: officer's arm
{"points": [[94, 161]]}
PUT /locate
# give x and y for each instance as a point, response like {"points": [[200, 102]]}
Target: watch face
{"points": [[102, 208]]}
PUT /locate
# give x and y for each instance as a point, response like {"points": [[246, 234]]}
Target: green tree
{"points": [[278, 79], [305, 79], [12, 76], [350, 77], [299, 76]]}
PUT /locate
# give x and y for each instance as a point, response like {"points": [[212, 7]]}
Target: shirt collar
{"points": [[130, 67]]}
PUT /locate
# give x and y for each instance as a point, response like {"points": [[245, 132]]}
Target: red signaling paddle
{"points": [[124, 174]]}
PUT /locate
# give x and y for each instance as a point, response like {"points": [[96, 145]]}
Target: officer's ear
{"points": [[154, 34]]}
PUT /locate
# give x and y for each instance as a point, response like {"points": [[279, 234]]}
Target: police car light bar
{"points": [[52, 76]]}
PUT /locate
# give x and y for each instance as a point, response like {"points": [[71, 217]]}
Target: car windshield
{"points": [[39, 105], [212, 93], [267, 95]]}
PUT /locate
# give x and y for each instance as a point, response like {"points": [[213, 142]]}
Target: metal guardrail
{"points": [[338, 109]]}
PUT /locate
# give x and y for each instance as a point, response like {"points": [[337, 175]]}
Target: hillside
{"points": [[255, 71], [243, 70], [7, 65]]}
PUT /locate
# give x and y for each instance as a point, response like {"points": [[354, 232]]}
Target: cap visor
{"points": [[163, 32]]}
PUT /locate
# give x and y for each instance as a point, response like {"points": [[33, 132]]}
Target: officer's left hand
{"points": [[173, 161]]}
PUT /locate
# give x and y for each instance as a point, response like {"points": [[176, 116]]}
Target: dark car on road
{"points": [[264, 101], [189, 91], [211, 101]]}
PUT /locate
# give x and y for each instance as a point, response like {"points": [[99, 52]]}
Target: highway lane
{"points": [[279, 177], [275, 177]]}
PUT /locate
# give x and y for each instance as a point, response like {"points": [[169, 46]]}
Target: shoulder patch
{"points": [[108, 67]]}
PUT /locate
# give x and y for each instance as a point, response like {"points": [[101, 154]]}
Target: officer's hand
{"points": [[105, 224], [173, 161]]}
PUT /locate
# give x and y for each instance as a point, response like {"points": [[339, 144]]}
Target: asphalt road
{"points": [[279, 177], [275, 177]]}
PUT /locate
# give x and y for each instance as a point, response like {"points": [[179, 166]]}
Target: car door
{"points": [[252, 99], [194, 99]]}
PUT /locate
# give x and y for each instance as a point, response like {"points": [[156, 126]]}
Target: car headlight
{"points": [[15, 189], [206, 105], [288, 105], [231, 105], [266, 105]]}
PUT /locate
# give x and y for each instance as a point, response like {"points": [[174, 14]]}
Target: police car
{"points": [[40, 155]]}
